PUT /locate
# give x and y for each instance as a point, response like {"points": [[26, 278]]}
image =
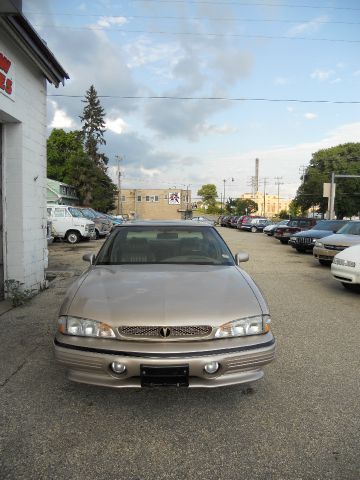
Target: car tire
{"points": [[283, 241], [300, 250], [351, 286], [253, 229], [97, 234], [72, 236], [326, 263]]}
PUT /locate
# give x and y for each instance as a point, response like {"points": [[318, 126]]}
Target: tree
{"points": [[342, 159], [68, 163], [294, 209], [283, 214], [241, 206], [93, 128], [208, 194]]}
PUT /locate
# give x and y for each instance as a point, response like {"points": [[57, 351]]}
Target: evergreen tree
{"points": [[94, 128]]}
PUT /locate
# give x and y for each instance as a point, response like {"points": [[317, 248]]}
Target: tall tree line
{"points": [[75, 158]]}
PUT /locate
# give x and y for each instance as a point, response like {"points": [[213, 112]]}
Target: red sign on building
{"points": [[6, 76]]}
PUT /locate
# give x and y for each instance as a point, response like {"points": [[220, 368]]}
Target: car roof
{"points": [[163, 223]]}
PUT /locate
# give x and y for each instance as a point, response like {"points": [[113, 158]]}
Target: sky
{"points": [[238, 50]]}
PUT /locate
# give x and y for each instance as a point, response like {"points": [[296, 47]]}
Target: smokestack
{"points": [[256, 175]]}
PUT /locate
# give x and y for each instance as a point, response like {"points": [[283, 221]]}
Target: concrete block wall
{"points": [[24, 171]]}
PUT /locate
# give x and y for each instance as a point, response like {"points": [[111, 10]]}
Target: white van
{"points": [[69, 223]]}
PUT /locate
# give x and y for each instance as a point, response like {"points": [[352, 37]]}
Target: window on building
{"points": [[139, 198], [123, 198], [147, 198]]}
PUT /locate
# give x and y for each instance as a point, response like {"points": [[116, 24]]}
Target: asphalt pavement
{"points": [[300, 422]]}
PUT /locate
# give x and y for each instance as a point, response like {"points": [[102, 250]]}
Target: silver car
{"points": [[164, 303]]}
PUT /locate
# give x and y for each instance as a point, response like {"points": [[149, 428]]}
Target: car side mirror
{"points": [[89, 257], [241, 257]]}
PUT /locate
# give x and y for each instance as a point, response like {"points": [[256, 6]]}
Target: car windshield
{"points": [[75, 212], [88, 213], [135, 244], [328, 225], [351, 228]]}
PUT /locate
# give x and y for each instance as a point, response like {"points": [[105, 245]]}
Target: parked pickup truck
{"points": [[284, 232], [69, 223]]}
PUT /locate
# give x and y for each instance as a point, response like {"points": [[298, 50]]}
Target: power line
{"points": [[247, 4], [171, 17], [203, 34], [228, 99]]}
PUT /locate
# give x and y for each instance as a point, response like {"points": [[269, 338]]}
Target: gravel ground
{"points": [[300, 422]]}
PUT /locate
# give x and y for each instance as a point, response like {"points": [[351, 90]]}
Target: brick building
{"points": [[273, 204], [155, 204]]}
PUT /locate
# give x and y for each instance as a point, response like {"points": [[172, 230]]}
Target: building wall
{"points": [[24, 171], [273, 205], [155, 209]]}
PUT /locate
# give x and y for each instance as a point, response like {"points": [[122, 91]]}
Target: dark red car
{"points": [[284, 232]]}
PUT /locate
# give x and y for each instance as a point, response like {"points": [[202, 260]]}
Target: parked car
{"points": [[69, 223], [345, 268], [305, 240], [203, 220], [270, 229], [284, 232], [255, 224], [326, 248], [244, 219], [233, 221], [103, 225], [224, 220], [137, 317]]}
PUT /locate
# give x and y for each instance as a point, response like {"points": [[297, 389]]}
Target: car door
{"points": [[60, 221]]}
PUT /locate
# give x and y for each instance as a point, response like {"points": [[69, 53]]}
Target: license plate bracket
{"points": [[164, 375]]}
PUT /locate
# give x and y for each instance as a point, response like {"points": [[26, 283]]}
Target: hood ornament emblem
{"points": [[165, 332]]}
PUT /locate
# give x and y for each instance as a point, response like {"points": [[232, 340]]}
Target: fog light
{"points": [[118, 367], [211, 367]]}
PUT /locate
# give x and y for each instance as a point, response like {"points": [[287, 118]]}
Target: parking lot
{"points": [[300, 422]]}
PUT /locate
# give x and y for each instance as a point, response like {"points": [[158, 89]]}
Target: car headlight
{"points": [[86, 228], [293, 239], [245, 326], [319, 244], [83, 327], [345, 263]]}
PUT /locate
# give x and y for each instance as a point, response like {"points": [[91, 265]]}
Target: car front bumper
{"points": [[344, 274], [322, 253], [237, 365]]}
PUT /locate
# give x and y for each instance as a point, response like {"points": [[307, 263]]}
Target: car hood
{"points": [[351, 253], [313, 233], [342, 239], [165, 295]]}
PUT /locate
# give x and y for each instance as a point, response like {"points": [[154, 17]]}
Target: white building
{"points": [[25, 66]]}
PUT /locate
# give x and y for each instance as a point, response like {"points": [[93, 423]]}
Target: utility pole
{"points": [[265, 179], [120, 158], [302, 170], [278, 183], [224, 193]]}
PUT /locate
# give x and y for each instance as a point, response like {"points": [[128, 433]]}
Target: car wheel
{"points": [[326, 263], [283, 241], [353, 287], [97, 235], [253, 229], [73, 237], [300, 250]]}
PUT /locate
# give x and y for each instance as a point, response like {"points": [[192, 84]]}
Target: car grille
{"points": [[304, 240], [165, 332], [91, 228], [338, 248]]}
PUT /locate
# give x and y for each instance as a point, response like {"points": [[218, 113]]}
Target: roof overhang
{"points": [[10, 6], [19, 28]]}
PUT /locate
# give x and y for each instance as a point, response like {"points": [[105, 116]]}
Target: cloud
{"points": [[356, 73], [336, 80], [145, 51], [218, 129], [105, 22], [322, 75], [281, 81], [116, 125], [310, 27], [60, 118], [310, 116]]}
